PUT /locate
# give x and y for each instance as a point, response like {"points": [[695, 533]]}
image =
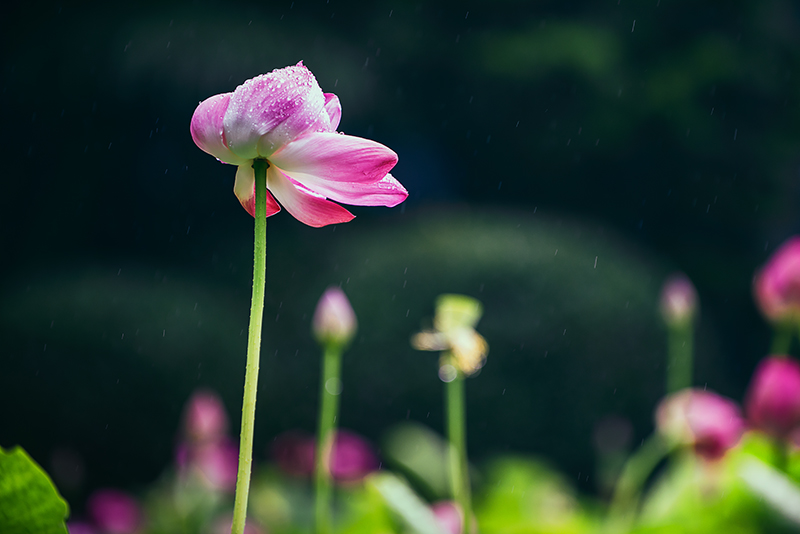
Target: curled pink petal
{"points": [[245, 190], [335, 157], [271, 110], [305, 205], [386, 192], [334, 109], [207, 131]]}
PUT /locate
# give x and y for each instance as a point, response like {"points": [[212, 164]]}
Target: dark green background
{"points": [[654, 136]]}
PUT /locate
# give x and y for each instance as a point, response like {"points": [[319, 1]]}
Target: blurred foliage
{"points": [[135, 344]]}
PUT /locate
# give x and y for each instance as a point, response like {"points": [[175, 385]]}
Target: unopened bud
{"points": [[678, 300], [777, 284], [773, 399], [334, 320], [204, 418], [703, 420]]}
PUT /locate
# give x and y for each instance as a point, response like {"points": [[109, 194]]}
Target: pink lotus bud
{"points": [[353, 458], [334, 320], [678, 300], [777, 285], [773, 400], [709, 423], [448, 515], [204, 418], [114, 512]]}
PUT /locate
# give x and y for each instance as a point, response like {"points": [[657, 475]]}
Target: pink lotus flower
{"points": [[286, 119], [705, 421], [773, 399], [777, 285]]}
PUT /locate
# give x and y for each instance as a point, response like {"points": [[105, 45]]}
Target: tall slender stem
{"points": [[634, 474], [681, 362], [253, 350], [782, 339], [456, 434], [330, 388]]}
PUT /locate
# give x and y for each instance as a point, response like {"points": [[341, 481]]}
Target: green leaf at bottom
{"points": [[29, 502]]}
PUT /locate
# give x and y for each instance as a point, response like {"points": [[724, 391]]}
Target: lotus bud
{"points": [[334, 319], [204, 418], [678, 300], [703, 420], [772, 403], [777, 285]]}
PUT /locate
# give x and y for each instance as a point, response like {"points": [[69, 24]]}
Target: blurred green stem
{"points": [[329, 390], [680, 344], [456, 434], [253, 350], [634, 474], [781, 339]]}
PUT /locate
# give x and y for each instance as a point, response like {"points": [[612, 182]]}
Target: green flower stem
{"points": [[253, 350], [782, 339], [456, 434], [634, 474], [680, 342], [330, 388]]}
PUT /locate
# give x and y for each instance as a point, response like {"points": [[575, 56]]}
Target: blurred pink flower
{"points": [[772, 403], [334, 319], [218, 463], [223, 526], [205, 451], [703, 420], [678, 300], [293, 451], [114, 512], [285, 118], [352, 457], [80, 527], [448, 515], [777, 285], [204, 417]]}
